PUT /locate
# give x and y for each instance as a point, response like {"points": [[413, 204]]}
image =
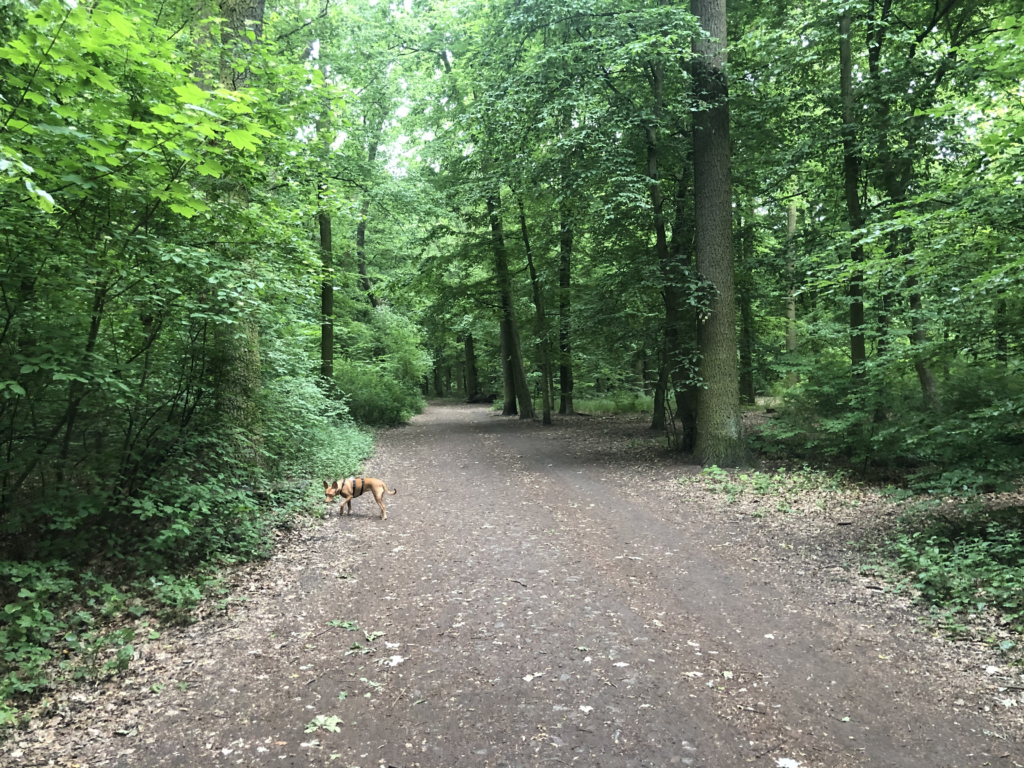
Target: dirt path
{"points": [[539, 607]]}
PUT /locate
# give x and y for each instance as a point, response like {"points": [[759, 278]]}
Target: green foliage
{"points": [[785, 486], [968, 563], [381, 376], [622, 401], [308, 433], [374, 396], [969, 446]]}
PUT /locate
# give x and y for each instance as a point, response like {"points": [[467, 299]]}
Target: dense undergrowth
{"points": [[93, 587]]}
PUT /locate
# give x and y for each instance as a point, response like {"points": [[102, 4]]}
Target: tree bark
{"points": [[542, 322], [565, 245], [513, 348], [364, 212], [508, 407], [745, 291], [680, 316], [918, 338], [240, 16], [719, 426], [658, 420], [438, 385], [791, 343], [854, 212], [472, 386]]}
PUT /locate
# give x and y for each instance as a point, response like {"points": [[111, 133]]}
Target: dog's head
{"points": [[331, 490]]}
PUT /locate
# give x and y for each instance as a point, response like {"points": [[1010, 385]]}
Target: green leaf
{"points": [[211, 167], [191, 93], [187, 211], [241, 139]]}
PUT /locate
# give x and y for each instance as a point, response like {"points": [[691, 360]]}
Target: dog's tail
{"points": [[392, 492]]}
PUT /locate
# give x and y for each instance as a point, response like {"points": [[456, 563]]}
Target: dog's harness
{"points": [[362, 485]]}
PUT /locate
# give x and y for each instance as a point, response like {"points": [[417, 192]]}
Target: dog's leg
{"points": [[378, 496]]}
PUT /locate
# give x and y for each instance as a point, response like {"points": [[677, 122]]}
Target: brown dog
{"points": [[351, 487]]}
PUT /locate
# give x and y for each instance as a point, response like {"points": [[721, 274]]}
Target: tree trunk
{"points": [[438, 386], [508, 407], [565, 244], [745, 293], [364, 278], [1001, 326], [542, 322], [918, 338], [513, 349], [719, 426], [658, 420], [791, 343], [326, 297], [854, 212], [472, 386], [680, 316], [240, 17]]}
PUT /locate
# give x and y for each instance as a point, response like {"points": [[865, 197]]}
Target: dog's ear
{"points": [[326, 485], [334, 484]]}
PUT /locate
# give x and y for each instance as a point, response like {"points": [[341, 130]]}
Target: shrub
{"points": [[374, 396], [969, 563]]}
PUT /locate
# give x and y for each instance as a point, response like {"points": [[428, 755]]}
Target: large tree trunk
{"points": [[240, 17], [513, 348], [542, 322], [719, 426], [854, 212]]}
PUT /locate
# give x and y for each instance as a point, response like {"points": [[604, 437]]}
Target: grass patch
{"points": [[626, 402]]}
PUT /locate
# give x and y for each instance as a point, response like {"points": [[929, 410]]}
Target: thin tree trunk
{"points": [[326, 297], [565, 245], [719, 426], [438, 386], [542, 322], [658, 420], [791, 343], [854, 212], [918, 338], [508, 407], [472, 386], [1001, 324], [744, 292], [680, 316], [364, 278]]}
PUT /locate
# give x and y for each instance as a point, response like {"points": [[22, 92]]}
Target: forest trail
{"points": [[540, 607]]}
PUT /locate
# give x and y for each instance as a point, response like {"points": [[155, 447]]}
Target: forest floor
{"points": [[549, 596]]}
